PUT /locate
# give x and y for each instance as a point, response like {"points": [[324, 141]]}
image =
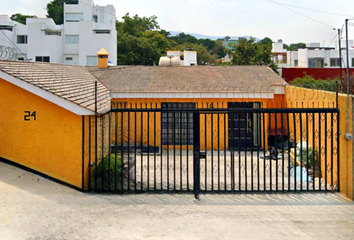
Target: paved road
{"points": [[34, 208]]}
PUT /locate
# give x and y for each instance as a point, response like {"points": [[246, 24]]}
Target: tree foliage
{"points": [[18, 17], [140, 40], [183, 38], [266, 41], [219, 50], [55, 9], [249, 52], [294, 46]]}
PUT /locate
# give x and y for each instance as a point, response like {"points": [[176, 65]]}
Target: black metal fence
{"points": [[180, 148]]}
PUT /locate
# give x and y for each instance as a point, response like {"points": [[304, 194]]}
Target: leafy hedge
{"points": [[110, 171], [320, 84]]}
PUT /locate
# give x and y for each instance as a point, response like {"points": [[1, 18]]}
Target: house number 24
{"points": [[30, 116]]}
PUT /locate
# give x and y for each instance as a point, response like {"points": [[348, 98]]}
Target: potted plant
{"points": [[308, 156]]}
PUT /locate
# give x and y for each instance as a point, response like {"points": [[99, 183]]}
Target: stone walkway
{"points": [[34, 208]]}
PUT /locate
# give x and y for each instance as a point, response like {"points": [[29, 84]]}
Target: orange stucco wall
{"points": [[212, 127], [51, 145], [301, 97]]}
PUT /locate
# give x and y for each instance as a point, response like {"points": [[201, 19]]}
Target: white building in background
{"points": [[175, 58], [87, 29], [313, 56]]}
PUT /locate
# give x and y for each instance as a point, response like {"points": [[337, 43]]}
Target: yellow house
{"points": [[61, 121], [45, 110], [202, 87]]}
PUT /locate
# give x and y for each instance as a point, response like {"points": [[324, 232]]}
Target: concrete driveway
{"points": [[34, 208]]}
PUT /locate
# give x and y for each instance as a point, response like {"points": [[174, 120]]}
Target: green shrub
{"points": [[109, 171], [308, 155], [320, 84]]}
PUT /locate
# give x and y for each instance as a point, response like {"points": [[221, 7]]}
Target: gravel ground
{"points": [[34, 208]]}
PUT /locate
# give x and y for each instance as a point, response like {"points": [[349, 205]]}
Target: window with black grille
{"points": [[177, 126]]}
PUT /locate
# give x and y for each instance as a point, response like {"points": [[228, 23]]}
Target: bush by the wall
{"points": [[109, 170], [320, 84]]}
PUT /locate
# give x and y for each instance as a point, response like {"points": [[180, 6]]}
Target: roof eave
{"points": [[70, 106]]}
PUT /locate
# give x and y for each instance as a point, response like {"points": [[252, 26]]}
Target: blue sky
{"points": [[259, 18]]}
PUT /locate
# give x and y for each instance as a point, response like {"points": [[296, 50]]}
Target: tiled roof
{"points": [[197, 79], [72, 83]]}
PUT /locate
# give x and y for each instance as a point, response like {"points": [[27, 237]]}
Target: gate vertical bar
{"points": [[282, 152], [332, 146], [325, 147], [245, 147], [212, 152], [276, 153], [155, 132], [206, 151], [135, 137], [128, 143], [289, 148], [174, 149], [258, 145], [187, 154], [121, 151], [301, 153], [252, 142], [264, 152], [319, 151], [89, 160], [180, 150], [148, 150], [338, 153], [218, 132], [313, 144], [141, 148], [225, 180], [83, 155], [307, 151], [270, 155], [96, 137], [102, 152], [168, 151], [239, 151], [109, 151], [196, 154], [232, 132], [295, 162], [115, 150]]}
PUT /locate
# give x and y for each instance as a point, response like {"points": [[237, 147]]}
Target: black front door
{"points": [[243, 126]]}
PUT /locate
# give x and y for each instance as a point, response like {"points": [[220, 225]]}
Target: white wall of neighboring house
{"points": [[6, 36], [329, 57], [87, 28], [278, 47], [190, 58], [40, 41]]}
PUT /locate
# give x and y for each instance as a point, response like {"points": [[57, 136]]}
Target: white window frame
{"points": [[91, 57], [74, 17], [25, 38], [72, 39]]}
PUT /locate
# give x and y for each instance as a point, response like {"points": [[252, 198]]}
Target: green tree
{"points": [[183, 38], [208, 43], [140, 40], [18, 17], [55, 9], [219, 50], [294, 46], [266, 41], [249, 52]]}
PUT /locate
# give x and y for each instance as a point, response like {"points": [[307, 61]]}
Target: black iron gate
{"points": [[188, 149]]}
